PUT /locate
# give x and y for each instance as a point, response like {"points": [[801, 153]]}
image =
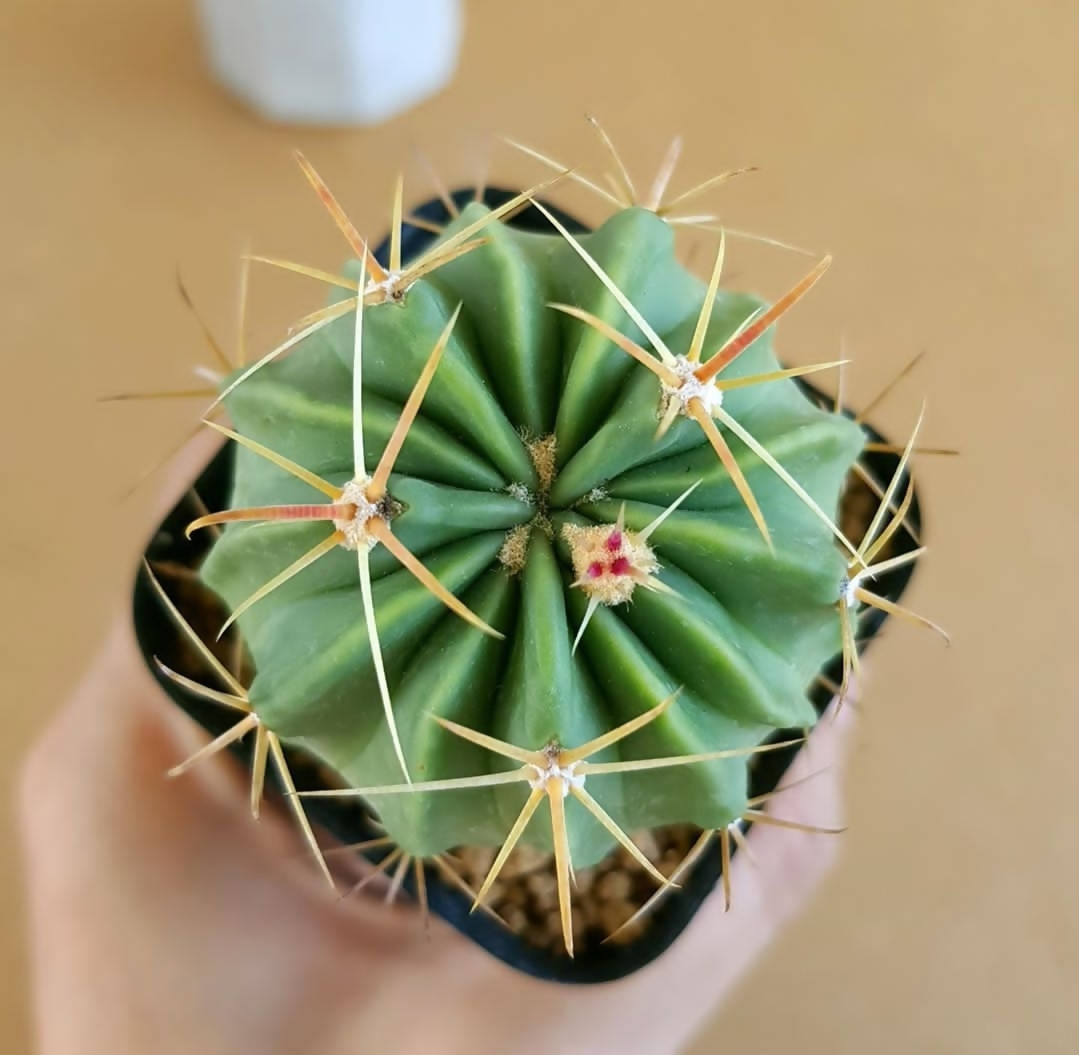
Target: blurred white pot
{"points": [[332, 61]]}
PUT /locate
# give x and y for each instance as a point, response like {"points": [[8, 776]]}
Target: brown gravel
{"points": [[525, 895]]}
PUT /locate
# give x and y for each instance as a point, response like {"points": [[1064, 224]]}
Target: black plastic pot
{"points": [[348, 820]]}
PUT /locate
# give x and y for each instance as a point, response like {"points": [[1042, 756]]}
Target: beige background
{"points": [[930, 146]]}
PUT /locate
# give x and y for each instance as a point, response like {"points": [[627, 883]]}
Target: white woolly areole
{"points": [[847, 587], [692, 387], [391, 285], [354, 529], [567, 775]]}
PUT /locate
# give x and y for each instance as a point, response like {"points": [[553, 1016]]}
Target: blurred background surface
{"points": [[930, 146]]}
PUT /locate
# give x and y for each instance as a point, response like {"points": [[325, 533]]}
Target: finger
{"points": [[184, 467], [790, 864], [98, 770], [116, 719], [91, 733]]}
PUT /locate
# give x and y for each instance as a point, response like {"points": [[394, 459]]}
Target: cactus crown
{"points": [[554, 492]]}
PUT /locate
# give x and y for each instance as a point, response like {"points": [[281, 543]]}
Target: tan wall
{"points": [[931, 146]]}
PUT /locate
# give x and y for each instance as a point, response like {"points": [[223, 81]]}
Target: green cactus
{"points": [[599, 465]]}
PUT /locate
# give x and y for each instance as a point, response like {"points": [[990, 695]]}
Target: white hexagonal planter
{"points": [[332, 61]]}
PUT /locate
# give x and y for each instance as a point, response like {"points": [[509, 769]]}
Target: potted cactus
{"points": [[527, 545]]}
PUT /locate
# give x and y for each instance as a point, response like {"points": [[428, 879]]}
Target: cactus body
{"points": [[501, 513]]}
